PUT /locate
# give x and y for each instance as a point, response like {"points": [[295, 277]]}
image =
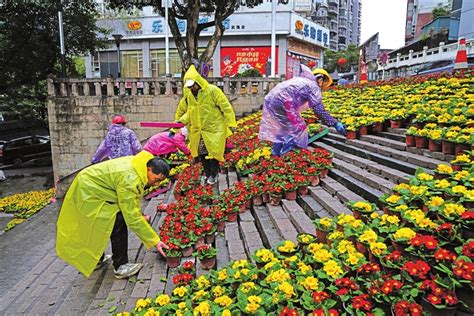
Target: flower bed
{"points": [[25, 205]]}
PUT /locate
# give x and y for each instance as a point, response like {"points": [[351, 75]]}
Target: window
{"points": [[132, 64], [158, 63], [95, 65]]}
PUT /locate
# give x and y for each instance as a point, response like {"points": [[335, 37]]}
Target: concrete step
{"points": [[330, 203], [312, 208], [393, 163], [340, 191], [430, 154], [399, 131], [384, 142], [397, 137], [282, 222], [298, 217], [368, 178], [268, 231], [385, 172], [356, 186]]}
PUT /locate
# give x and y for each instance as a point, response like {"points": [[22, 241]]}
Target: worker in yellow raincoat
{"points": [[103, 200], [209, 118]]}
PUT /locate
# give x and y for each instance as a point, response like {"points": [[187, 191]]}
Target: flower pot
{"points": [[466, 295], [339, 227], [221, 226], [242, 208], [303, 190], [187, 252], [410, 141], [322, 235], [223, 170], [398, 246], [209, 239], [395, 123], [434, 146], [377, 127], [424, 208], [200, 242], [433, 311], [362, 248], [363, 130], [232, 217], [208, 263], [447, 147], [324, 173], [290, 195], [440, 176], [265, 198], [351, 135], [456, 167], [248, 204], [173, 262], [257, 200], [314, 180], [275, 200], [421, 142], [460, 148]]}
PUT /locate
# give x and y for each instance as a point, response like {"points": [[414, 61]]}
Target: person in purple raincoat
{"points": [[282, 123], [119, 142]]}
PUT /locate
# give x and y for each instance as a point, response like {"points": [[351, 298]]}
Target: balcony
{"points": [[333, 11], [333, 2]]}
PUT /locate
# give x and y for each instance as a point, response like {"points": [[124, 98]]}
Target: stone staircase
{"points": [[363, 169]]}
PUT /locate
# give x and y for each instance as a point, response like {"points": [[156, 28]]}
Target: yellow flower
{"points": [[279, 275], [361, 205], [203, 282], [287, 289], [180, 291], [452, 208], [369, 236], [391, 219], [442, 168], [418, 190], [356, 223], [345, 246], [252, 307], [404, 233], [401, 186], [218, 291], [199, 294], [354, 258], [469, 194], [461, 174], [332, 269], [425, 177], [240, 264], [223, 301], [151, 312], [310, 283], [393, 199], [345, 219], [162, 300], [313, 247], [304, 268], [288, 246], [464, 158], [182, 305], [322, 255], [142, 303], [459, 189], [247, 286], [442, 184], [325, 221], [203, 309], [254, 299], [374, 215], [222, 274], [378, 248], [226, 312], [436, 201], [335, 235]]}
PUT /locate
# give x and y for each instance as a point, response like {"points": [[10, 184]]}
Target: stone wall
{"points": [[79, 123]]}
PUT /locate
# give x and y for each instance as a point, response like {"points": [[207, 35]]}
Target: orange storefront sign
{"points": [[134, 25]]}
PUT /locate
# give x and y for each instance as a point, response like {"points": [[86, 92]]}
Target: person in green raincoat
{"points": [[103, 200], [210, 119]]}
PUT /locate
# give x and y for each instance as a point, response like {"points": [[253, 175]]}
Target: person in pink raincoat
{"points": [[282, 123], [163, 143]]}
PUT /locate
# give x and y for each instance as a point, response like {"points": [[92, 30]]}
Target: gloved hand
{"points": [[340, 128], [232, 129], [171, 134]]}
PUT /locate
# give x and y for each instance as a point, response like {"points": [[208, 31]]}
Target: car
{"points": [[19, 150], [441, 66]]}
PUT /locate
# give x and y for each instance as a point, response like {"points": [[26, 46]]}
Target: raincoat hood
{"points": [[193, 74]]}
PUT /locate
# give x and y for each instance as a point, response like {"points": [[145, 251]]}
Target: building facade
{"points": [[246, 44], [342, 18]]}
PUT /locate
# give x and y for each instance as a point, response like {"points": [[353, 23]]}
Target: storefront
{"points": [[246, 45]]}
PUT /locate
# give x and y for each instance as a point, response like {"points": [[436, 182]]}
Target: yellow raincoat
{"points": [[88, 212], [209, 117]]}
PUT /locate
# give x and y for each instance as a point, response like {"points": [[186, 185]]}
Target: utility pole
{"points": [[273, 53], [59, 8]]}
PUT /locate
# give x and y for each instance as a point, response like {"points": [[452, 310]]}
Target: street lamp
{"points": [[59, 8], [117, 38]]}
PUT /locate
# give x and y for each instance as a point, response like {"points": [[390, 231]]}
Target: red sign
{"points": [[236, 60]]}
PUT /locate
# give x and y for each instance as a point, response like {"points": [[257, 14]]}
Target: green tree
{"points": [[30, 51], [217, 11], [351, 55], [441, 10]]}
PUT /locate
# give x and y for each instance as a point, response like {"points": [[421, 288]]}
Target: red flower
{"points": [[341, 292], [430, 242], [319, 312], [320, 296], [433, 299], [468, 249], [443, 254], [469, 215], [289, 312]]}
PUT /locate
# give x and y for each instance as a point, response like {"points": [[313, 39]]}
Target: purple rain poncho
{"points": [[119, 142], [281, 119]]}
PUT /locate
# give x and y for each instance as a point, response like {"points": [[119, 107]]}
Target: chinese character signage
{"points": [[236, 60], [309, 31]]}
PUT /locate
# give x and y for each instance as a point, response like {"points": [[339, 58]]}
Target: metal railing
{"points": [[153, 86]]}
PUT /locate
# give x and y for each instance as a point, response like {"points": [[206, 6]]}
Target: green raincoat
{"points": [[209, 117], [88, 212]]}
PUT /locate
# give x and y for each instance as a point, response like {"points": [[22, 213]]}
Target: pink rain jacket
{"points": [[162, 144]]}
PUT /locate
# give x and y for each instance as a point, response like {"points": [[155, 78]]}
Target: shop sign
{"points": [[236, 60], [305, 49], [309, 31], [134, 28]]}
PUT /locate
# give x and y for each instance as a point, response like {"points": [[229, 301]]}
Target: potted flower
{"points": [[443, 171], [290, 188], [263, 256], [421, 141], [406, 308], [207, 256], [188, 267], [393, 262], [173, 257], [434, 140], [460, 162], [410, 136], [396, 117], [401, 238], [305, 239], [323, 227], [351, 132], [361, 209], [448, 143], [302, 182], [438, 300], [287, 248], [319, 303]]}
